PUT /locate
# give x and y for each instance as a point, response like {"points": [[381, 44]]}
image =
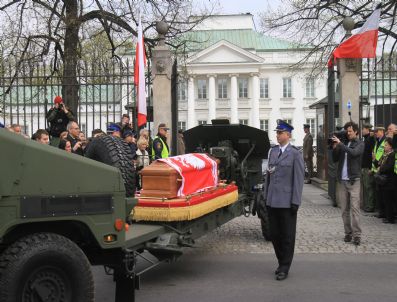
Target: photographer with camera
{"points": [[58, 117], [348, 157]]}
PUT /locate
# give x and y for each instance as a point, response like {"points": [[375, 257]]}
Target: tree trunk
{"points": [[70, 85]]}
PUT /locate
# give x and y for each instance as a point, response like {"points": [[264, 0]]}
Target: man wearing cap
{"points": [[308, 152], [129, 137], [58, 117], [114, 129], [160, 146], [377, 153], [286, 176], [368, 182], [348, 156]]}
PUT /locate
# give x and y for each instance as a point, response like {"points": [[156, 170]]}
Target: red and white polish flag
{"points": [[139, 76], [363, 43]]}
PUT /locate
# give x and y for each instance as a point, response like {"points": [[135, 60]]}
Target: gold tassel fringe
{"points": [[184, 213]]}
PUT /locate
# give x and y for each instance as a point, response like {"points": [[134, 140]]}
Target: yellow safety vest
{"points": [[378, 154], [164, 153]]}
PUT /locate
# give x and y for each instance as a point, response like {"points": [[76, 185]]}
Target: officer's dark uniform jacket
{"points": [[354, 154], [58, 120], [369, 142], [286, 182]]}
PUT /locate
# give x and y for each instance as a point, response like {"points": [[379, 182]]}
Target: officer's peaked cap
{"points": [[283, 126]]}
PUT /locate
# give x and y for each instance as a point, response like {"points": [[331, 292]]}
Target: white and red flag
{"points": [[139, 76], [362, 44], [198, 172]]}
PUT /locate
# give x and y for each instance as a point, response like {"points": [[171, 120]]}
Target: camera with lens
{"points": [[341, 135]]}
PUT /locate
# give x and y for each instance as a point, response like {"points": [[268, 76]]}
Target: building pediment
{"points": [[224, 52]]}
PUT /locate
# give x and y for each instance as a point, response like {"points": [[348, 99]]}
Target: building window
{"points": [[243, 122], [243, 88], [264, 88], [202, 122], [202, 89], [182, 126], [312, 123], [287, 87], [222, 88], [181, 92], [310, 88], [289, 121], [264, 125]]}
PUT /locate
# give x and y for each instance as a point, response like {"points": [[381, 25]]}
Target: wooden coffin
{"points": [[160, 180]]}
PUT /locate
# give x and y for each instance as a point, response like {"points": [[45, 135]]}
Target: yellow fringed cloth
{"points": [[186, 208]]}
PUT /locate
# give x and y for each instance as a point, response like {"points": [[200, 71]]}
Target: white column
{"points": [[233, 99], [191, 113], [255, 101], [211, 99]]}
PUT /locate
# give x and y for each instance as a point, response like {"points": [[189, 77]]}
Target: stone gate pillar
{"points": [[349, 88], [161, 72]]}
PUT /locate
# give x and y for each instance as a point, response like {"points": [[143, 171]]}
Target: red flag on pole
{"points": [[139, 76], [362, 44]]}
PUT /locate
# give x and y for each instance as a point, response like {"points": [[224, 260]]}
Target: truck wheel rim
{"points": [[47, 284]]}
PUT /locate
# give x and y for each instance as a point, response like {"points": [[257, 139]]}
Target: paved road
{"points": [[234, 263]]}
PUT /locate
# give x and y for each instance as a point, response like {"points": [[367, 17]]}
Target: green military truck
{"points": [[61, 213]]}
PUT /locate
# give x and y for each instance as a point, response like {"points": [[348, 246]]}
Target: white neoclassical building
{"points": [[235, 72]]}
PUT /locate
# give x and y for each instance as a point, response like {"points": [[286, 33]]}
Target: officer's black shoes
{"points": [[281, 276], [369, 210], [357, 241], [277, 271], [385, 220], [348, 238]]}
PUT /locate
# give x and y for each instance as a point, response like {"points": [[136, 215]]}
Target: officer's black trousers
{"points": [[282, 231]]}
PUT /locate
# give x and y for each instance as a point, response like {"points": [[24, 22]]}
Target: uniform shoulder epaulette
{"points": [[275, 146], [295, 147]]}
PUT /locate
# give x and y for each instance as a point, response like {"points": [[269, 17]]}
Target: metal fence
{"points": [[106, 91], [379, 90]]}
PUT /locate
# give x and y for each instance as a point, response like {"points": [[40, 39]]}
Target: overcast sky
{"points": [[247, 6]]}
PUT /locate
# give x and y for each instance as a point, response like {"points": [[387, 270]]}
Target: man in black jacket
{"points": [[58, 116], [367, 177], [73, 137], [348, 175]]}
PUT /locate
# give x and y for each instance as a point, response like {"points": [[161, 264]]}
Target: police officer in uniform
{"points": [[308, 152], [377, 153], [160, 146], [286, 176]]}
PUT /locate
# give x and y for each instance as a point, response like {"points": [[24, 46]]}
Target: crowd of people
{"points": [[379, 171], [64, 133]]}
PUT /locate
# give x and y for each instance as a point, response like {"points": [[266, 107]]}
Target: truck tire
{"points": [[45, 267], [115, 152]]}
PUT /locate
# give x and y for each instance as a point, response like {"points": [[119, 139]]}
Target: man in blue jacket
{"points": [[286, 173]]}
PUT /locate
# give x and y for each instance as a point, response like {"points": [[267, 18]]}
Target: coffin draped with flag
{"points": [[362, 44], [181, 188]]}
